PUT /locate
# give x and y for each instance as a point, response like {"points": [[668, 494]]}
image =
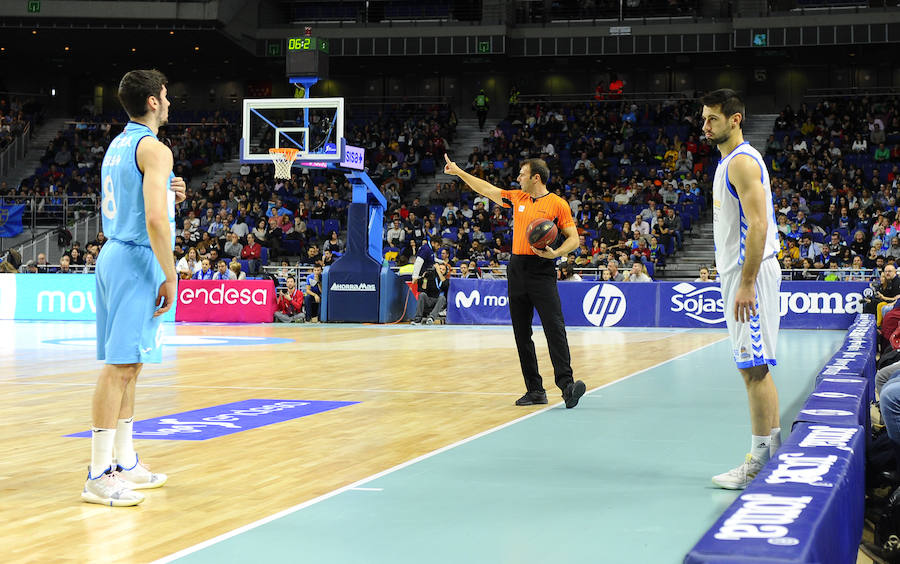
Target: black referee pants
{"points": [[532, 284]]}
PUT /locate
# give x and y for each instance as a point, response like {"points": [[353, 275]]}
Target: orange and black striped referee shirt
{"points": [[526, 209]]}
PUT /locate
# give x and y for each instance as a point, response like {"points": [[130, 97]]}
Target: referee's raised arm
{"points": [[481, 186]]}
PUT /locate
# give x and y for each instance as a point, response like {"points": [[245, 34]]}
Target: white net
{"points": [[284, 160]]}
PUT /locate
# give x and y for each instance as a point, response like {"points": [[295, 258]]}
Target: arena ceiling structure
{"points": [[848, 46]]}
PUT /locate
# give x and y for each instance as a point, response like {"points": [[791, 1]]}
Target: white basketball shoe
{"points": [[740, 477], [109, 489], [140, 477]]}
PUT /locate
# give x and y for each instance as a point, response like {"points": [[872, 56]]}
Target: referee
{"points": [[532, 275]]}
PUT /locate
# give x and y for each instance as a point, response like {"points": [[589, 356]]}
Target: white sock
{"points": [[759, 448], [125, 455], [774, 441], [101, 450]]}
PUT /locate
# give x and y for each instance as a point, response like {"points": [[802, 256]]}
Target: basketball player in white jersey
{"points": [[744, 231]]}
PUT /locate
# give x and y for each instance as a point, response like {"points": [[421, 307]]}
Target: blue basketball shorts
{"points": [[128, 280]]}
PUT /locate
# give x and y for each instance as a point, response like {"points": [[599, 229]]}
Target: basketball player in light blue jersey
{"points": [[136, 284], [744, 231]]}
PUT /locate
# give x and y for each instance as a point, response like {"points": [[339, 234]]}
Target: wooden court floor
{"points": [[419, 389]]}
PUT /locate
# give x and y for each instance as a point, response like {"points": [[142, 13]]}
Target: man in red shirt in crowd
{"points": [[252, 252], [290, 303]]}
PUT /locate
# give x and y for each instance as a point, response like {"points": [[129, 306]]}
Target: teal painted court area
{"points": [[624, 477]]}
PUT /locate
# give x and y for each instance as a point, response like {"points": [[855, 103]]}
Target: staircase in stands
{"points": [[467, 137], [758, 129], [698, 251], [39, 141]]}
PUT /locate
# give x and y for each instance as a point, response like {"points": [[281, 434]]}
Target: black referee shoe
{"points": [[532, 398], [573, 393]]}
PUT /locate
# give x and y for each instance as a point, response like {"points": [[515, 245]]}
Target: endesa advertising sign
{"points": [[803, 305], [51, 297], [226, 301]]}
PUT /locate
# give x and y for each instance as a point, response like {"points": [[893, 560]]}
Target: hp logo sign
{"points": [[604, 305]]}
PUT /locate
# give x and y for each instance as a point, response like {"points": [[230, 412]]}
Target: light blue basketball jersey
{"points": [[123, 189], [128, 274]]}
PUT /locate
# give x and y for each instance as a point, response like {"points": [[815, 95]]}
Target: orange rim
{"points": [[289, 153]]}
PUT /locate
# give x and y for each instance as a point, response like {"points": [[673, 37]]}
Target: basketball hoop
{"points": [[284, 159]]}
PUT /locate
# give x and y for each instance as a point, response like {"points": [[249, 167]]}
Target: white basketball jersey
{"points": [[729, 222]]}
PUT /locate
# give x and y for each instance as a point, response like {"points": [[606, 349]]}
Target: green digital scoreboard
{"points": [[307, 44], [306, 57]]}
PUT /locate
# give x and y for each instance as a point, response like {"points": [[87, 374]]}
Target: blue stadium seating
{"points": [[331, 225], [316, 225], [427, 166]]}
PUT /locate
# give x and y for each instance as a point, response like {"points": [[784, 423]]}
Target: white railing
{"points": [[15, 152], [82, 231]]}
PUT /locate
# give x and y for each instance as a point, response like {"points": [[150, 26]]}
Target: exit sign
{"points": [[34, 6], [273, 48], [484, 46]]}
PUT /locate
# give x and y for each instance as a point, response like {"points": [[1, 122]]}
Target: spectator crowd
{"points": [[15, 115], [835, 166], [636, 177]]}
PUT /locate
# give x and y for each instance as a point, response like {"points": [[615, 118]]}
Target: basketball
{"points": [[541, 232]]}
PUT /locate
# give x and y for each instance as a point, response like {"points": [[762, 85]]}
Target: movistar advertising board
{"points": [[803, 305], [51, 297]]}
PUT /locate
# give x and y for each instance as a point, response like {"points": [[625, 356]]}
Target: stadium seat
{"points": [[316, 225], [291, 247], [332, 225], [427, 166]]}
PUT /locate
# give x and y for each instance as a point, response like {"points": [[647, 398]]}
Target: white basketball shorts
{"points": [[753, 343]]}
